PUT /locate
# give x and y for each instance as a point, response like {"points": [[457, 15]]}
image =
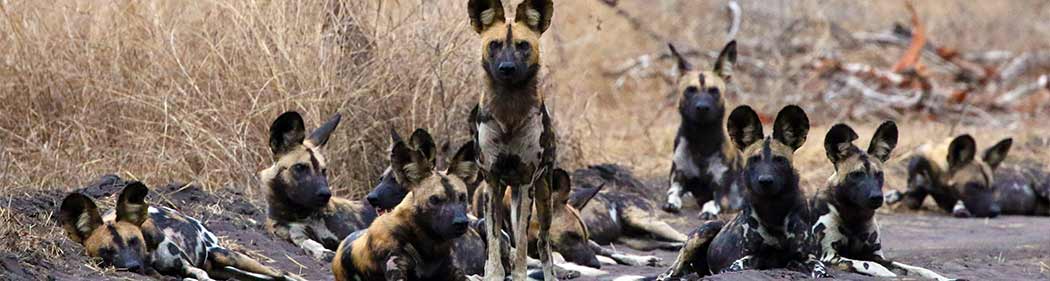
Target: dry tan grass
{"points": [[185, 90]]}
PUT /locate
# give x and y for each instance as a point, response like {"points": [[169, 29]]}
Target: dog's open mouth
{"points": [[381, 211]]}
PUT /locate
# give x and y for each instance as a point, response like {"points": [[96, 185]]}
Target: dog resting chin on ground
{"points": [[414, 240], [772, 231], [149, 240], [844, 211]]}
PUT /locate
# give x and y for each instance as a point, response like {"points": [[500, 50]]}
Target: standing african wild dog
{"points": [[844, 211], [958, 182], [772, 231], [148, 240], [705, 162], [514, 131], [616, 210], [301, 207], [414, 240]]}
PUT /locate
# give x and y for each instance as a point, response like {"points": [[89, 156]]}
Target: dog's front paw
{"points": [[892, 197], [325, 256], [673, 207], [960, 211], [707, 216]]}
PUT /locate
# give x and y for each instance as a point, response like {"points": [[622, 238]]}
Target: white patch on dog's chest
{"points": [[830, 223], [683, 160], [524, 140], [716, 168]]}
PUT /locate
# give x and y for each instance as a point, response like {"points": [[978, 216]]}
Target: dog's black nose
{"points": [[461, 223], [324, 195], [703, 108], [875, 201], [372, 199], [765, 180], [505, 68]]}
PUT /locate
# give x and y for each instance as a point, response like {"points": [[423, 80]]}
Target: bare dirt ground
{"points": [[1005, 248]]}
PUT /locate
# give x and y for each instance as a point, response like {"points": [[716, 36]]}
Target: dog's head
{"points": [[858, 177], [117, 242], [436, 200], [768, 172], [510, 52], [972, 179], [389, 192], [299, 174], [702, 92], [568, 233]]}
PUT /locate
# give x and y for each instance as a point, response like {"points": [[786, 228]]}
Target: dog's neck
{"points": [[283, 209], [772, 211], [406, 228], [851, 214], [511, 103], [703, 138]]}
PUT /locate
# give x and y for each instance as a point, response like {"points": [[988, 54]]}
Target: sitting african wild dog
{"points": [[514, 131], [468, 250], [705, 162], [619, 212], [958, 182], [149, 240], [414, 240], [844, 211], [772, 230], [301, 207]]}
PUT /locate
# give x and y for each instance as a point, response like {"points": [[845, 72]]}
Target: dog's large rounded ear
{"points": [[409, 166], [838, 143], [884, 140], [319, 137], [536, 14], [997, 153], [131, 206], [424, 143], [791, 127], [580, 198], [561, 187], [726, 61], [683, 64], [465, 163], [286, 133], [485, 14], [79, 216], [744, 127], [961, 151]]}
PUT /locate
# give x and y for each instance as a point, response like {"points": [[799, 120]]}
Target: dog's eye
{"points": [[463, 197], [714, 92], [299, 168], [855, 175], [434, 200], [495, 45], [523, 46], [324, 171], [690, 91], [780, 159]]}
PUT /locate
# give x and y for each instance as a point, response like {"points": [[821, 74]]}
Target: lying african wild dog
{"points": [[514, 131], [569, 234], [958, 182], [844, 211], [618, 212], [301, 207], [414, 240], [772, 230], [705, 162], [468, 250], [1024, 189], [149, 240]]}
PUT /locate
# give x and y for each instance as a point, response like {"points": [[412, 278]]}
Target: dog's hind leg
{"points": [[544, 215], [925, 273], [624, 259], [693, 256], [521, 210], [646, 245], [231, 265], [639, 219]]}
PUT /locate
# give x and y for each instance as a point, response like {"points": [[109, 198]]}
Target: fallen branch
{"points": [[910, 58], [1022, 64], [1023, 91]]}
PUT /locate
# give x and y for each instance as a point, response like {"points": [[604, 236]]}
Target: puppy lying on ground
{"points": [[958, 182], [772, 231], [619, 211], [414, 240], [844, 211], [148, 240]]}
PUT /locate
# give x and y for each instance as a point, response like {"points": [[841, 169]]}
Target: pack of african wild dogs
{"points": [[499, 207]]}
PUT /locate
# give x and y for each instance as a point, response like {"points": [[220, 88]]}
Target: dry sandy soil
{"points": [[184, 90]]}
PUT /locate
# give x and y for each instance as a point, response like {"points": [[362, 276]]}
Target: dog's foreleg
{"points": [[397, 268], [521, 234], [674, 193], [624, 259], [242, 267], [869, 268], [642, 220], [297, 233], [925, 273], [493, 232], [710, 210]]}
